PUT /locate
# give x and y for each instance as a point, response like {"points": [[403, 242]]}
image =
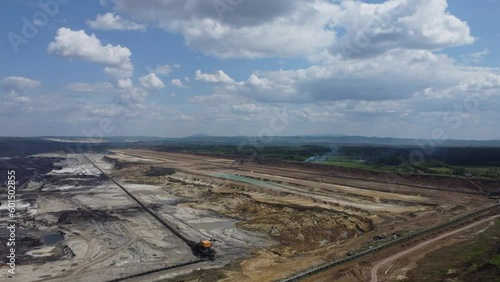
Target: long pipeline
{"points": [[165, 223]]}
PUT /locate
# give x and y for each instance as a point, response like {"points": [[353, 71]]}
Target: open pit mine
{"points": [[138, 215]]}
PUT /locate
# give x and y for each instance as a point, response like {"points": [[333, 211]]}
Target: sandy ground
{"points": [[391, 207], [273, 221]]}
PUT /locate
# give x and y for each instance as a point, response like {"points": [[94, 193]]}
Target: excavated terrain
{"points": [[266, 221], [308, 214]]}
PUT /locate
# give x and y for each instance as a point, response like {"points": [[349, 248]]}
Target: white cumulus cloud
{"points": [[283, 28], [395, 75], [476, 57], [85, 87], [165, 70], [177, 83], [217, 77], [151, 82], [125, 84], [79, 45], [15, 87], [111, 21], [18, 84], [252, 29], [373, 29]]}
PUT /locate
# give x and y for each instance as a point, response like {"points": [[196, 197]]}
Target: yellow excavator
{"points": [[204, 249]]}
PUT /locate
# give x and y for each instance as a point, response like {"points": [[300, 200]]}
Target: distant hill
{"points": [[336, 140], [324, 140], [198, 136]]}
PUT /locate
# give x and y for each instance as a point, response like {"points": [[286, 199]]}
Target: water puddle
{"points": [[51, 238]]}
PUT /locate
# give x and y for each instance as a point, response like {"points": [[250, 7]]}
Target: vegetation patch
{"points": [[476, 260]]}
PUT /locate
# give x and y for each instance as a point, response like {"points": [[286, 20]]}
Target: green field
{"points": [[359, 165], [477, 171], [476, 260], [482, 171], [430, 167]]}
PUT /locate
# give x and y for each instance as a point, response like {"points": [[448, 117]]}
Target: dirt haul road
{"points": [[374, 270]]}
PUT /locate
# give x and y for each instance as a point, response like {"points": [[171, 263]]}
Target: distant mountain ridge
{"points": [[321, 139]]}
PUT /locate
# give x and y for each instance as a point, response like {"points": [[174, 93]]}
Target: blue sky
{"points": [[173, 68]]}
